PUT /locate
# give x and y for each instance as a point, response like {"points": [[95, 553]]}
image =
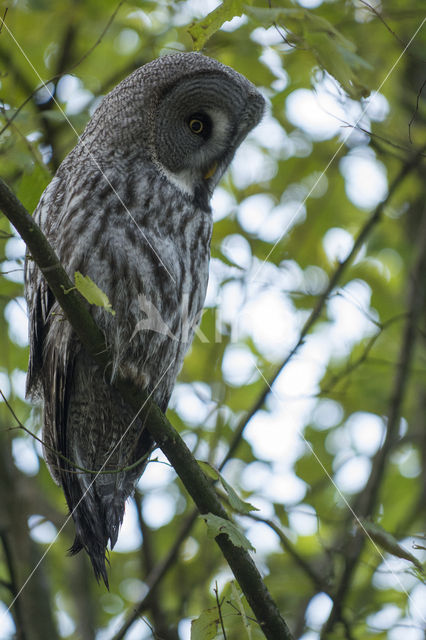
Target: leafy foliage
{"points": [[217, 526], [91, 292], [317, 441]]}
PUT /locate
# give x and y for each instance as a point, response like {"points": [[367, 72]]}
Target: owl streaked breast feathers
{"points": [[129, 207]]}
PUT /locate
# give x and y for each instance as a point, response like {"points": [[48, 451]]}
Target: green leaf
{"points": [[329, 54], [235, 501], [333, 52], [209, 470], [205, 626], [217, 526], [236, 598], [269, 16], [91, 292], [201, 31], [54, 116], [32, 186], [388, 542]]}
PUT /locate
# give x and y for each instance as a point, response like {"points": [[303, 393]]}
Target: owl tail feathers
{"points": [[98, 557], [97, 523]]}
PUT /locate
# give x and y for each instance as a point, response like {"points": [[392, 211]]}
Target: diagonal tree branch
{"points": [[195, 481], [319, 582], [367, 500]]}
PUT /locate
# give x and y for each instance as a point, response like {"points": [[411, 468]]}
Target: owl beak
{"points": [[210, 173]]}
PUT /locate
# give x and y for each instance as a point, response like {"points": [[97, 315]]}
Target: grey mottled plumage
{"points": [[129, 207]]}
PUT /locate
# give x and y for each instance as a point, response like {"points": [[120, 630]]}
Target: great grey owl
{"points": [[129, 207]]}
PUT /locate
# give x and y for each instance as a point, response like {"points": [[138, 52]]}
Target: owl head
{"points": [[185, 113]]}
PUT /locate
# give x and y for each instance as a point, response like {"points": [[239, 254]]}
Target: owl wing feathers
{"points": [[39, 299], [85, 419], [50, 386], [40, 304]]}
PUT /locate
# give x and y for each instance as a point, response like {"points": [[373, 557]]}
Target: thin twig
{"points": [[77, 468], [4, 18], [99, 40], [383, 21], [219, 608], [156, 575], [367, 500], [376, 136], [63, 73], [352, 366], [416, 110], [365, 231], [12, 585], [157, 612], [319, 582], [33, 150]]}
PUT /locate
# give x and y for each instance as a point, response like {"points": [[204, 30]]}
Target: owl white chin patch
{"points": [[183, 180]]}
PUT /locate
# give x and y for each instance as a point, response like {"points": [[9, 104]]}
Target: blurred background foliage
{"points": [[336, 169]]}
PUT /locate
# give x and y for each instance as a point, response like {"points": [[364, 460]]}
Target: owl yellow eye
{"points": [[200, 124], [196, 125]]}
